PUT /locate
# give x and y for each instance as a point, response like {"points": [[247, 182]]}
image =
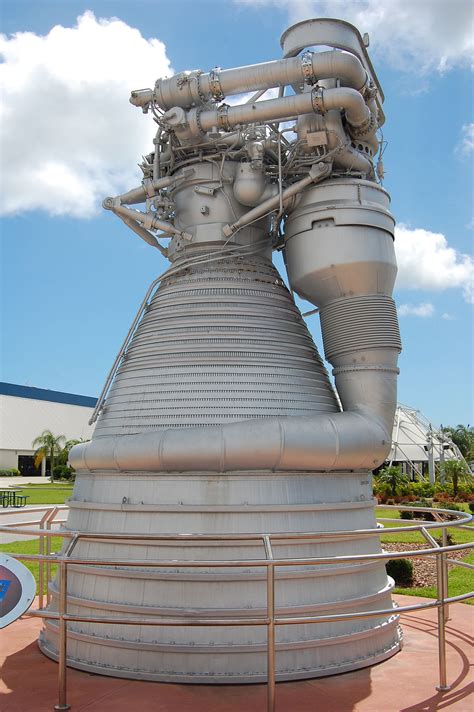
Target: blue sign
{"points": [[17, 589], [4, 585]]}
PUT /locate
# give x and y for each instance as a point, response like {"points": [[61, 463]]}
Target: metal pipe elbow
{"points": [[341, 65], [325, 443], [357, 112]]}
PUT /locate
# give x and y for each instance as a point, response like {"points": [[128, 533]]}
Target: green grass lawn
{"points": [[55, 493], [459, 581], [460, 536], [44, 493], [32, 547]]}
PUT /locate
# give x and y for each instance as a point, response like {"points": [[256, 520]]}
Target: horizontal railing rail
{"points": [[459, 520]]}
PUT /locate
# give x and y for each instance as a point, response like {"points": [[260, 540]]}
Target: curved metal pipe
{"points": [[357, 112], [346, 157], [144, 234], [193, 89], [149, 188], [187, 124], [349, 440]]}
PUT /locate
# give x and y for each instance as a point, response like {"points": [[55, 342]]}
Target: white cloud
{"points": [[447, 316], [69, 135], [466, 145], [235, 99], [427, 262], [424, 310], [416, 35], [272, 93]]}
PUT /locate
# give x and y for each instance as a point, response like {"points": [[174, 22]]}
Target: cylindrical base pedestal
{"points": [[200, 503]]}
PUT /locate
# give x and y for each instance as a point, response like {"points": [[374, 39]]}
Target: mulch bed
{"points": [[424, 569]]}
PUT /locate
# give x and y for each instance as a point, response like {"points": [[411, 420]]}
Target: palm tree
{"points": [[67, 447], [47, 445], [456, 472], [393, 477], [463, 437]]}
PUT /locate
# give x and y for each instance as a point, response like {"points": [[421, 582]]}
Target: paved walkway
{"points": [[405, 683], [24, 481]]}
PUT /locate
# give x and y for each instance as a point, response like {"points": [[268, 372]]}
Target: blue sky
{"points": [[73, 276]]}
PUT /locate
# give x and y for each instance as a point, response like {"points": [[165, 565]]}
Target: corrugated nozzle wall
{"points": [[218, 343], [360, 323]]}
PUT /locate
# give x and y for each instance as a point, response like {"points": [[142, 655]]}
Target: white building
{"points": [[418, 445], [26, 412]]}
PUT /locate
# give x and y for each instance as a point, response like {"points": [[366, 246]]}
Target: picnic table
{"points": [[10, 497]]}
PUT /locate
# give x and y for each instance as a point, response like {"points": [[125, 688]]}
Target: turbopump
{"points": [[218, 416]]}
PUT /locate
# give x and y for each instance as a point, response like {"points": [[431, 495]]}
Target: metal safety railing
{"points": [[271, 620]]}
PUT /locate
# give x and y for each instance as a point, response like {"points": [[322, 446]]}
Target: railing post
{"points": [[270, 626], [41, 563], [271, 638], [445, 573], [62, 643], [51, 516], [441, 593]]}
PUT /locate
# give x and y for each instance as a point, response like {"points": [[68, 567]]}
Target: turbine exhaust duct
{"points": [[218, 416]]}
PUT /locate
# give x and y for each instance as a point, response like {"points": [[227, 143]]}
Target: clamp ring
{"points": [[215, 84], [200, 92], [223, 117], [198, 118], [369, 90], [307, 67], [364, 129], [317, 100]]}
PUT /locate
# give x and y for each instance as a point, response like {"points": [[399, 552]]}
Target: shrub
{"points": [[426, 516], [381, 491], [401, 570], [451, 505], [11, 472], [64, 472], [392, 477], [422, 489], [443, 497], [466, 491], [404, 489], [407, 499]]}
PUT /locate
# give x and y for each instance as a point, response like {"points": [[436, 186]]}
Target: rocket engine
{"points": [[218, 416]]}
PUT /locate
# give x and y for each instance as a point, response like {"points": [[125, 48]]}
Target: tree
{"points": [[63, 455], [456, 471], [463, 437], [393, 477], [62, 469], [47, 445]]}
